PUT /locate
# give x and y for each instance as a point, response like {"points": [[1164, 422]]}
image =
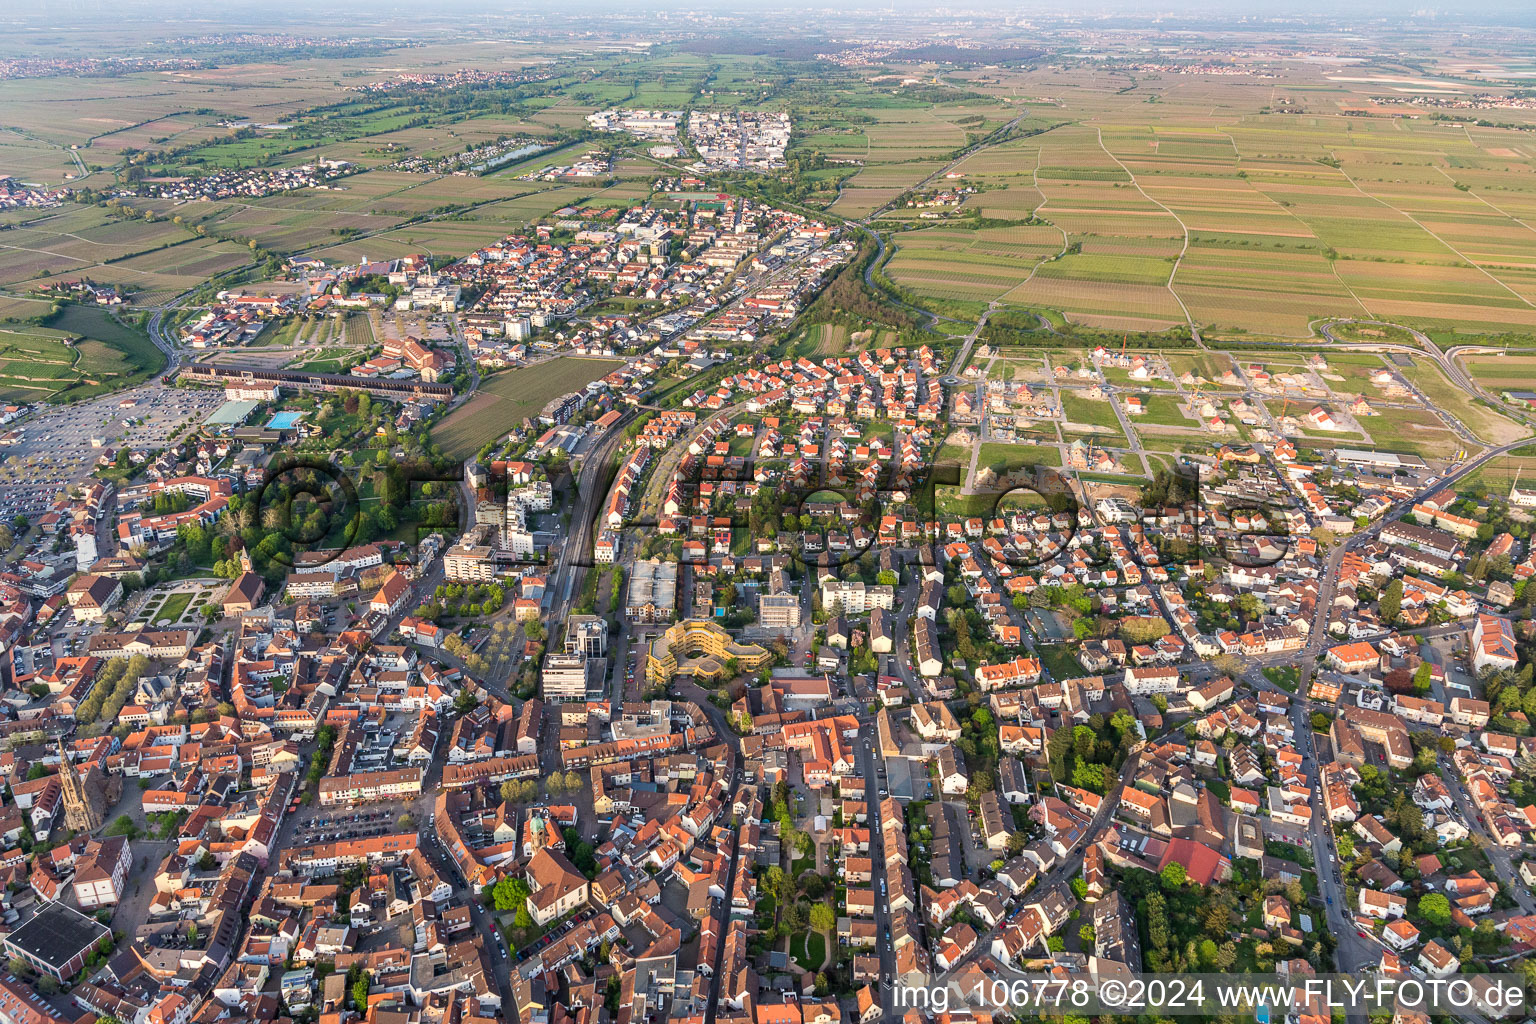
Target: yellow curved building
{"points": [[699, 648]]}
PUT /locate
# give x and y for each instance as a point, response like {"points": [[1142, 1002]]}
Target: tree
{"points": [[1174, 876], [1391, 601], [1435, 908], [123, 826], [511, 893], [792, 917], [822, 918]]}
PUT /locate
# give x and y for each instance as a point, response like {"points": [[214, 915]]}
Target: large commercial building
{"points": [[701, 649], [56, 941], [572, 676]]}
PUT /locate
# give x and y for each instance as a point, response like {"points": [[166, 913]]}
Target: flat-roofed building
{"points": [[652, 591], [778, 611]]}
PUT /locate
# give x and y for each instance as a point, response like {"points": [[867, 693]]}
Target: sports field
{"points": [[510, 397]]}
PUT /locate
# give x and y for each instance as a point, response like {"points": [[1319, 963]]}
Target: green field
{"points": [[828, 339], [1499, 473], [1014, 456], [1415, 431], [1162, 411], [1509, 372], [171, 611], [1088, 411], [510, 397], [84, 351], [1207, 207]]}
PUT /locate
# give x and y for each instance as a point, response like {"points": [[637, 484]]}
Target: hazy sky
{"points": [[196, 16]]}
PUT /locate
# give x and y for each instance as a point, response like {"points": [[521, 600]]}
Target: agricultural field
{"points": [[510, 397], [83, 352], [1207, 207], [828, 339], [961, 263], [87, 241], [1499, 473], [1508, 372]]}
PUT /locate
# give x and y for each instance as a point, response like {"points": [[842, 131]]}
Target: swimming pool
{"points": [[283, 421]]}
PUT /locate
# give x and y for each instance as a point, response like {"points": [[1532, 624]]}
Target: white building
{"points": [[856, 597]]}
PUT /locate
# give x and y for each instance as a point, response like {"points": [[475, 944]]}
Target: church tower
{"points": [[80, 811]]}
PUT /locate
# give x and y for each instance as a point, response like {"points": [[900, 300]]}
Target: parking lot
{"points": [[331, 825], [55, 450]]}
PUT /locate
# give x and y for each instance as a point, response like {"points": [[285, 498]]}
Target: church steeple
{"points": [[80, 811]]}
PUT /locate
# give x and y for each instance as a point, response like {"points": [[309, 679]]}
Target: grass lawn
{"points": [[1415, 431], [1163, 411], [173, 607], [1088, 412], [808, 950], [1287, 677], [1059, 660], [1015, 456]]}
